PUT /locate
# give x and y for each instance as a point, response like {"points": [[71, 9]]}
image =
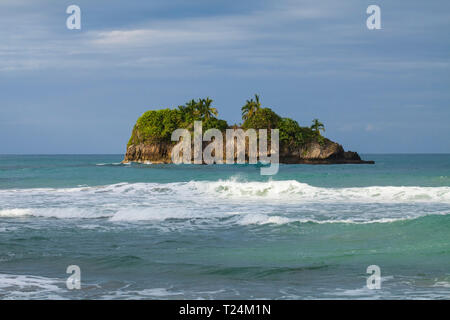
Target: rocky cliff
{"points": [[328, 152]]}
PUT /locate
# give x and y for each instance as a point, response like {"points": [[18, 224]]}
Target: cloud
{"points": [[303, 38], [307, 58], [160, 37], [195, 39]]}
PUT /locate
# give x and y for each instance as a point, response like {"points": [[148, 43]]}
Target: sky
{"points": [[81, 91]]}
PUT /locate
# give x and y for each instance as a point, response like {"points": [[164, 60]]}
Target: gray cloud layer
{"points": [[307, 58]]}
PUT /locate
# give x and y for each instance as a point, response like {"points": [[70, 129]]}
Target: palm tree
{"points": [[250, 108], [257, 103], [205, 110], [190, 108], [317, 126]]}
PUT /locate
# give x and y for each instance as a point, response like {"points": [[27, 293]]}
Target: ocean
{"points": [[224, 231]]}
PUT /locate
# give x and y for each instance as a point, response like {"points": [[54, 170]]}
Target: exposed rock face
{"points": [[154, 153], [328, 152]]}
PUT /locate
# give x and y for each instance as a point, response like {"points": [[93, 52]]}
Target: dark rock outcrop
{"points": [[327, 152]]}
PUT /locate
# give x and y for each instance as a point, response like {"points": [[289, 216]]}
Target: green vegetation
{"points": [[316, 127], [158, 125], [250, 108], [263, 118], [291, 133]]}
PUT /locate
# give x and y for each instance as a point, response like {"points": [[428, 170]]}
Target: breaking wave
{"points": [[284, 190], [297, 191], [228, 201]]}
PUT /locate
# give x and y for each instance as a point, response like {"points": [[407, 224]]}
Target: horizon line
{"points": [[116, 154]]}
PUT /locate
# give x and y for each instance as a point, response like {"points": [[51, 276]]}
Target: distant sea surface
{"points": [[224, 231]]}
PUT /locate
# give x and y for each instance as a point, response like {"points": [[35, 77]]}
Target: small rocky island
{"points": [[150, 140]]}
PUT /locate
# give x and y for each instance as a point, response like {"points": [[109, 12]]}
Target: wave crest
{"points": [[296, 191], [228, 201]]}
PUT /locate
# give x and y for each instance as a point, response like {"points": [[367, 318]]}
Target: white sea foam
{"points": [[263, 219], [215, 218], [266, 219], [229, 201], [110, 164], [15, 212], [283, 190], [155, 214], [297, 191], [52, 213], [442, 284], [30, 287], [153, 293]]}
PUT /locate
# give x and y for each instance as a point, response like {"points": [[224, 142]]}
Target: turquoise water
{"points": [[224, 232]]}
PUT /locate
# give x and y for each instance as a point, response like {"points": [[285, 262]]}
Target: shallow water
{"points": [[171, 232]]}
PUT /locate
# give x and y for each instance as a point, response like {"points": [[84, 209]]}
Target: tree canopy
{"points": [[250, 108], [317, 126], [158, 125]]}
